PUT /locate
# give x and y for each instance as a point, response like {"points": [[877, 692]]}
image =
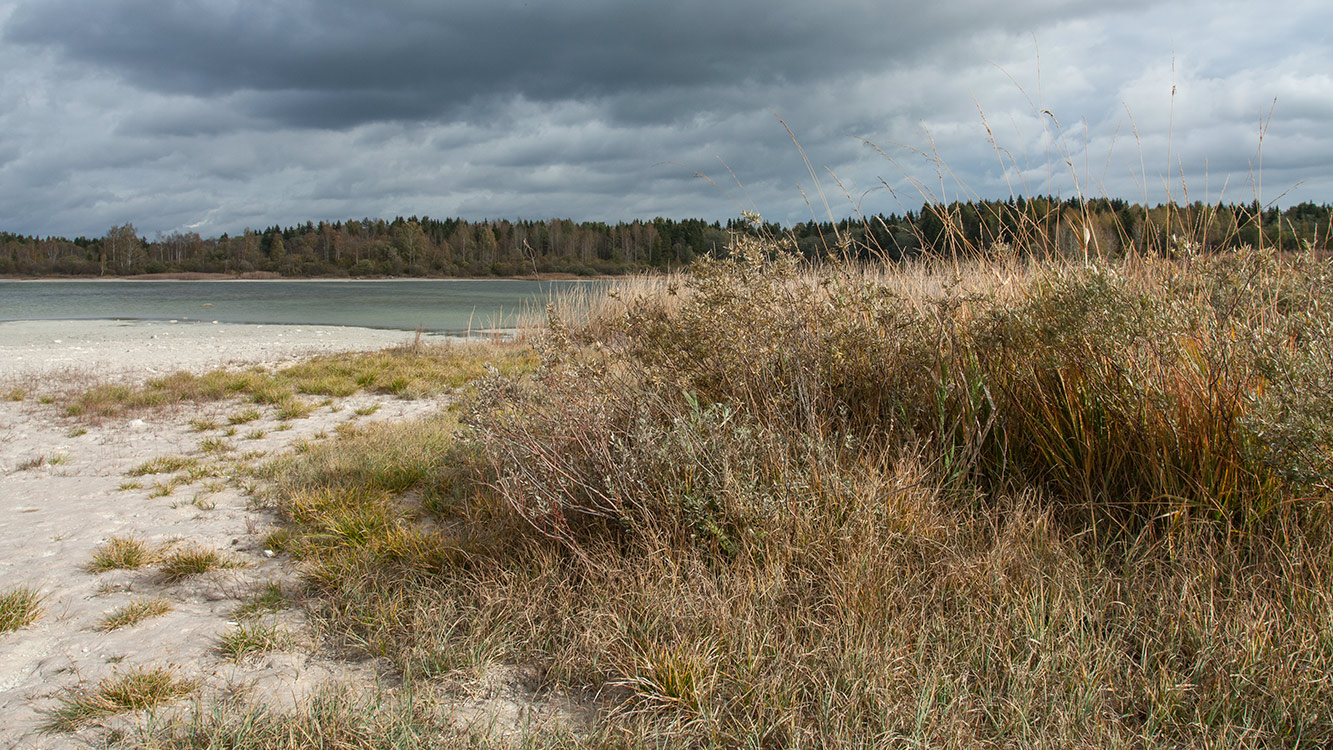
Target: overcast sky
{"points": [[217, 115]]}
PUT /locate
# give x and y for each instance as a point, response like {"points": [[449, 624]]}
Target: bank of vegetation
{"points": [[1080, 500], [454, 247]]}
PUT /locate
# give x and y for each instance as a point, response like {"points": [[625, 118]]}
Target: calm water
{"points": [[453, 306]]}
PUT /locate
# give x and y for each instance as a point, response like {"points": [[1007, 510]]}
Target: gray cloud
{"points": [[232, 113], [337, 63]]}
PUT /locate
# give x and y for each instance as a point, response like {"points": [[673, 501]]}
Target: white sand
{"points": [[147, 348], [61, 497]]}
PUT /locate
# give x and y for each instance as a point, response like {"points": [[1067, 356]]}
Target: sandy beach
{"points": [[66, 488], [143, 349]]}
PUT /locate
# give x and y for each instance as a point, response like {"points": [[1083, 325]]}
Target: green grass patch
{"points": [[252, 637], [269, 599]]}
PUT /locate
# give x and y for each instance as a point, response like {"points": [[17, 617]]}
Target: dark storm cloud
{"points": [[337, 63], [214, 116]]}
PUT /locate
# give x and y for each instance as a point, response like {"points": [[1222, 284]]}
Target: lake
{"points": [[444, 306]]}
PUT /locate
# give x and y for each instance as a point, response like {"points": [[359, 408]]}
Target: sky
{"points": [[213, 116]]}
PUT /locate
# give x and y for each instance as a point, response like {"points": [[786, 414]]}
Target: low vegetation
{"points": [[134, 613], [129, 553], [1004, 502], [338, 717], [20, 606], [164, 465], [134, 689], [410, 371], [268, 599], [254, 636], [182, 563]]}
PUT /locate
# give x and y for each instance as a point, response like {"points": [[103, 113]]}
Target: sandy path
{"points": [[62, 495]]}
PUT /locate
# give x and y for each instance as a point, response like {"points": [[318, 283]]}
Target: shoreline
{"points": [[142, 349], [273, 277]]}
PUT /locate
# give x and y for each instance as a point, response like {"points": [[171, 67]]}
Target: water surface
{"points": [[445, 306]]}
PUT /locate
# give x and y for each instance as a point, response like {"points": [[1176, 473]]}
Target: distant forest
{"points": [[454, 247]]}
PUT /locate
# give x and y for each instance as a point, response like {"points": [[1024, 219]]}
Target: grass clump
{"points": [[270, 598], [133, 613], [164, 489], [293, 408], [164, 465], [244, 416], [253, 637], [203, 425], [180, 564], [118, 552], [20, 606], [135, 689], [215, 445]]}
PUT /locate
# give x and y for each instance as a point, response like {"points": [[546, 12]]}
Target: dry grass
{"points": [[20, 606], [179, 564], [337, 717], [253, 637], [134, 613], [132, 690], [245, 416], [122, 552], [1003, 503], [412, 371], [164, 465]]}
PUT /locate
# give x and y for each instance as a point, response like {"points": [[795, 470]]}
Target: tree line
{"points": [[422, 246]]}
